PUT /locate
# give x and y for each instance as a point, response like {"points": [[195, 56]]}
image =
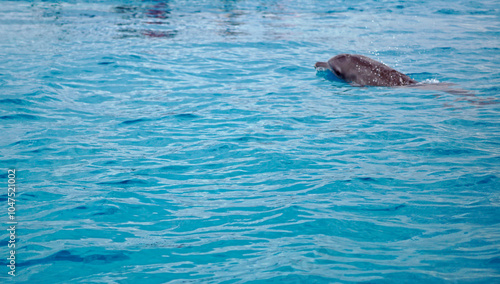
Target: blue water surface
{"points": [[193, 142]]}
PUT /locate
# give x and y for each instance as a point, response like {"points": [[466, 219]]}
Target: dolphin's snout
{"points": [[321, 65]]}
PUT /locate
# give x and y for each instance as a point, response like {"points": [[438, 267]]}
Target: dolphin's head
{"points": [[339, 64]]}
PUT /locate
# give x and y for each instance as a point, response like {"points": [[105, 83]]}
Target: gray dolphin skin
{"points": [[363, 71]]}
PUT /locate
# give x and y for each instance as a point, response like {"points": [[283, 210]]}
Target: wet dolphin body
{"points": [[363, 71]]}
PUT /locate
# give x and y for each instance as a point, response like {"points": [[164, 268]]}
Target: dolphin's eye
{"points": [[336, 72]]}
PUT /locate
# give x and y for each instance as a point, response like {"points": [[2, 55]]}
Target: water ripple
{"points": [[174, 142]]}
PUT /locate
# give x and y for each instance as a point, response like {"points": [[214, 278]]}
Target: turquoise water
{"points": [[193, 142]]}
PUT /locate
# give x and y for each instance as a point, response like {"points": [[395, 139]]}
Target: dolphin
{"points": [[363, 71], [359, 70]]}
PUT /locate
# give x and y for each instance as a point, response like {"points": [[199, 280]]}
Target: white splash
{"points": [[430, 81]]}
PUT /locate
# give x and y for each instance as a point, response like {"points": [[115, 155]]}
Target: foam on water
{"points": [[430, 81], [192, 142]]}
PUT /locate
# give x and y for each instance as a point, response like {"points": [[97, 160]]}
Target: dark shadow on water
{"points": [[230, 18], [155, 13], [160, 10], [230, 21], [65, 255]]}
